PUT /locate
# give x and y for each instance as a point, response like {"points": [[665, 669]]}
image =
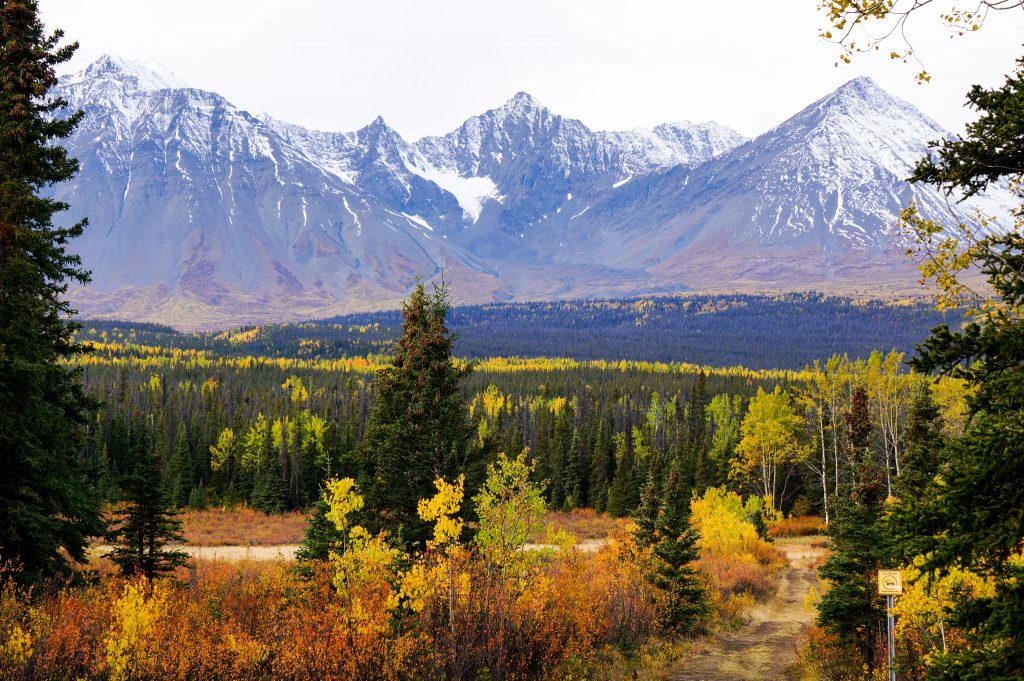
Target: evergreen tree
{"points": [[197, 499], [601, 463], [924, 443], [419, 428], [851, 608], [559, 472], [696, 427], [574, 484], [147, 522], [321, 535], [649, 511], [969, 515], [177, 473], [624, 493], [684, 604], [268, 488], [48, 507]]}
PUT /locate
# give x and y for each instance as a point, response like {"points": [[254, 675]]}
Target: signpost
{"points": [[890, 585]]}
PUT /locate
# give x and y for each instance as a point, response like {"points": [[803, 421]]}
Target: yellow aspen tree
{"points": [[770, 443]]}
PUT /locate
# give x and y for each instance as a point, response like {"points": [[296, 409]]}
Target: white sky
{"points": [[615, 64]]}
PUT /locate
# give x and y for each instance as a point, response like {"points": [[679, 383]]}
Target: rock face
{"points": [[204, 215]]}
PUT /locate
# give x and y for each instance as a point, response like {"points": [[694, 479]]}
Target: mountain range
{"points": [[204, 215]]}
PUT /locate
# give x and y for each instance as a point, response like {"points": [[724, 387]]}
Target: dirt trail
{"points": [[231, 552], [765, 647]]}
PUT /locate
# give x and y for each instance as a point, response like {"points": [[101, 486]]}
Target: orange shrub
{"points": [[732, 577], [585, 524], [820, 656], [261, 619], [799, 526]]}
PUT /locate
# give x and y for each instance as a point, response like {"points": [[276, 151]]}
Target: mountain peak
{"points": [[149, 75], [521, 102], [524, 97], [864, 103], [378, 126], [379, 134], [861, 87]]}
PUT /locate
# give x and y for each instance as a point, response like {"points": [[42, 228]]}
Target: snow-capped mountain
{"points": [[538, 161], [202, 214], [815, 200]]}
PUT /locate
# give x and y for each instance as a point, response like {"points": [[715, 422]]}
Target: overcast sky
{"points": [[614, 64]]}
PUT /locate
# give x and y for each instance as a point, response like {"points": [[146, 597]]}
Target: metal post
{"points": [[891, 621]]}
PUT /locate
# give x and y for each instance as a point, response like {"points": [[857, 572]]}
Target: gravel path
{"points": [[765, 647]]}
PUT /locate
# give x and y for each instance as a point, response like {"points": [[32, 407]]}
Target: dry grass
{"points": [[246, 527], [731, 577], [585, 524], [802, 526], [241, 527]]}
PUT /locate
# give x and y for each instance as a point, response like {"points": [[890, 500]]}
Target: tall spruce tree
{"points": [[602, 466], [924, 444], [47, 504], [624, 491], [177, 473], [684, 604], [147, 522], [268, 487], [648, 512], [851, 608], [419, 427]]}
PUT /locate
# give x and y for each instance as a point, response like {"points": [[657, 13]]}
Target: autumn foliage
{"points": [[484, 606], [739, 564], [798, 526]]}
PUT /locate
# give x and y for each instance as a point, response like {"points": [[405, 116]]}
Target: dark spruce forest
{"points": [[787, 331]]}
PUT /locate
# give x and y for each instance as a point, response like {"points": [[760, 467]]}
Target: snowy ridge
{"points": [[149, 75], [203, 214]]}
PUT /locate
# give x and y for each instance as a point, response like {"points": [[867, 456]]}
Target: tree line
{"points": [[757, 331], [269, 433]]}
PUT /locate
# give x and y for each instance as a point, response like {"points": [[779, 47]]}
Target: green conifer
{"points": [[624, 492], [685, 605], [419, 428], [48, 506], [851, 608], [147, 522], [321, 535]]}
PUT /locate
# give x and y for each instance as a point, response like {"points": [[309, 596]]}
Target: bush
{"points": [[798, 526], [736, 561]]}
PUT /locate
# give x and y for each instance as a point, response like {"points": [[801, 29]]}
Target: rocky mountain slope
{"points": [[202, 214]]}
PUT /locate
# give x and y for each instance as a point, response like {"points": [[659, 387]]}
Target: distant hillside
{"points": [[758, 332]]}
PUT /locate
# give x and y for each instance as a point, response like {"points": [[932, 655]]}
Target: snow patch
{"points": [[418, 220], [355, 218], [149, 75], [470, 192]]}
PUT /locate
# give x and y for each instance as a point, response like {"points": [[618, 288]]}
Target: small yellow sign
{"points": [[890, 583]]}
